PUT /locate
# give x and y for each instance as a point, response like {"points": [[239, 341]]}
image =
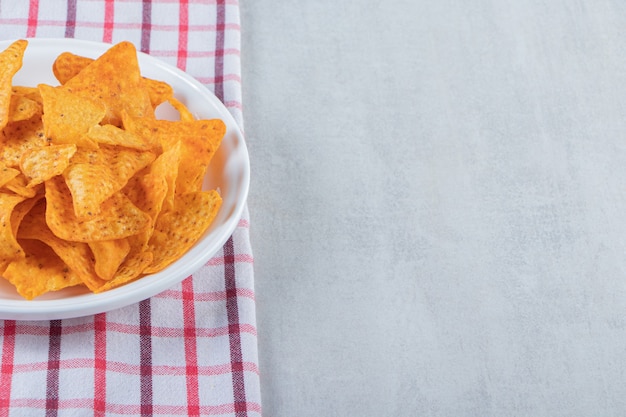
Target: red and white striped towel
{"points": [[191, 350]]}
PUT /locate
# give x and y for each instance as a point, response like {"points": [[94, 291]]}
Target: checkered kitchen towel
{"points": [[191, 350]]}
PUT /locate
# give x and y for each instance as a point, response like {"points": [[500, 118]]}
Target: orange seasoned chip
{"points": [[68, 117], [9, 248], [123, 162], [177, 230], [135, 191], [115, 79], [152, 188], [158, 91], [106, 172], [86, 260], [184, 113], [31, 93], [113, 135], [22, 108], [161, 176], [90, 185], [40, 164], [149, 191], [21, 210], [199, 141], [198, 147], [3, 266], [68, 65], [19, 185], [10, 62], [170, 158], [131, 269], [39, 271], [18, 137], [7, 174], [109, 255], [156, 184], [118, 217], [76, 255]]}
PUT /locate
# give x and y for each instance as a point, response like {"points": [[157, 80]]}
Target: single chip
{"points": [[123, 162], [21, 210], [22, 108], [176, 231], [39, 271], [115, 79], [87, 156], [198, 147], [90, 185], [76, 255], [131, 269], [156, 183], [160, 183], [7, 174], [113, 135], [40, 164], [107, 172], [3, 266], [199, 141], [153, 191], [9, 248], [31, 93], [68, 65], [183, 112], [19, 185], [109, 255], [86, 260], [10, 62], [158, 91], [118, 217], [152, 188], [68, 117], [169, 158], [18, 137]]}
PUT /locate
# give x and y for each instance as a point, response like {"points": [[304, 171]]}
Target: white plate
{"points": [[229, 172]]}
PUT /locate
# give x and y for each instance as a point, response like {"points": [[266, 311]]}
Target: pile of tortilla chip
{"points": [[94, 189]]}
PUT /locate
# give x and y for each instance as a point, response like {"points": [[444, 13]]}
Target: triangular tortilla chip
{"points": [[118, 217], [9, 248], [68, 117], [99, 174], [18, 137], [178, 230], [115, 79], [7, 174], [109, 255], [77, 255], [40, 271], [68, 65], [10, 62], [199, 141], [113, 135], [40, 164], [131, 269], [23, 108]]}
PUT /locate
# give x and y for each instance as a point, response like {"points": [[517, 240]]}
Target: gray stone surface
{"points": [[438, 206]]}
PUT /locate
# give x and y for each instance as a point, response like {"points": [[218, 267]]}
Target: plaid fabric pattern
{"points": [[191, 350]]}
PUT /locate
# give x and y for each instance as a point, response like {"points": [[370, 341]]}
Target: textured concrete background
{"points": [[438, 205]]}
